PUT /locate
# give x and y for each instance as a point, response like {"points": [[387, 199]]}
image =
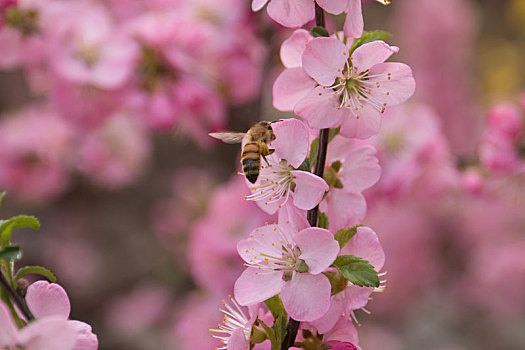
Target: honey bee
{"points": [[259, 136]]}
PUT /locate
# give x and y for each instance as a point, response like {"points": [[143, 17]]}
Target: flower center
{"points": [[278, 255], [356, 89], [276, 181]]}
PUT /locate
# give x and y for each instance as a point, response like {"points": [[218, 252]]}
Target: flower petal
{"points": [[324, 59], [258, 4], [291, 13], [48, 333], [368, 123], [292, 48], [48, 299], [8, 333], [318, 248], [343, 208], [319, 108], [309, 189], [263, 240], [290, 87], [292, 219], [369, 54], [255, 286], [238, 341], [343, 330], [366, 245], [361, 169], [397, 83], [306, 297], [354, 23], [340, 148], [328, 320], [356, 297], [291, 141], [334, 7]]}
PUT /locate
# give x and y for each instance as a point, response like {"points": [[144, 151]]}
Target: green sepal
{"points": [[20, 221], [2, 195], [36, 270], [322, 220], [276, 306], [319, 32], [277, 333], [11, 253], [345, 234], [337, 281], [368, 37], [357, 270]]}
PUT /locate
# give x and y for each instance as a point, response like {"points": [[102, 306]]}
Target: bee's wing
{"points": [[228, 137]]}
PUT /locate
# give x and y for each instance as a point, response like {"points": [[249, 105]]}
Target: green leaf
{"points": [[333, 133], [276, 306], [368, 37], [271, 335], [11, 253], [36, 270], [322, 220], [313, 151], [320, 31], [16, 222], [2, 195], [345, 234], [279, 327], [357, 270]]}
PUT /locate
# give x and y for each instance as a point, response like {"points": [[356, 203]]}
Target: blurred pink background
{"points": [[105, 108]]}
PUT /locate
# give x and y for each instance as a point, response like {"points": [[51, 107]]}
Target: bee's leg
{"points": [[266, 160], [265, 152]]}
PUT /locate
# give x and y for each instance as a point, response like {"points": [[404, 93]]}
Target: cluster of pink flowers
{"points": [[111, 73], [315, 274]]}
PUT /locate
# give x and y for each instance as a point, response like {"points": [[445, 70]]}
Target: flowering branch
{"points": [[312, 215]]}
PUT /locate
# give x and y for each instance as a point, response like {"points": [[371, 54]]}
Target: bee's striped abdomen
{"points": [[251, 161]]}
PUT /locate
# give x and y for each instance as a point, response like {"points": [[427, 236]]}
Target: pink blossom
{"points": [[46, 299], [365, 244], [115, 154], [333, 90], [507, 119], [35, 146], [86, 49], [289, 263], [499, 149], [276, 180], [47, 333], [358, 170]]}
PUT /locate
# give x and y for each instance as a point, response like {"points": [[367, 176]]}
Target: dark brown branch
{"points": [[293, 325], [17, 299]]}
